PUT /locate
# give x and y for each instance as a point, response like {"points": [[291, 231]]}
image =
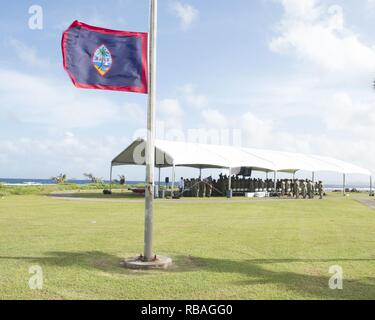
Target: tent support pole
{"points": [[274, 182], [200, 173], [150, 146], [110, 178], [229, 195], [343, 184], [230, 179], [313, 177], [159, 183], [370, 186], [173, 177]]}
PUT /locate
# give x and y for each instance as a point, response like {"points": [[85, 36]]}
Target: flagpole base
{"points": [[159, 262]]}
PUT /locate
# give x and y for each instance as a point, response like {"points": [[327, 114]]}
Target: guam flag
{"points": [[97, 58]]}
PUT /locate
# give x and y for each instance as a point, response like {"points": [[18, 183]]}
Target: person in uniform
{"points": [[243, 184], [304, 189], [191, 184], [283, 188], [209, 187], [213, 187], [288, 187], [181, 186], [236, 181], [187, 188], [277, 185], [256, 187], [251, 185], [296, 189], [312, 190], [219, 183], [320, 189], [292, 188], [192, 187], [225, 185], [196, 189], [308, 188], [247, 185], [202, 189]]}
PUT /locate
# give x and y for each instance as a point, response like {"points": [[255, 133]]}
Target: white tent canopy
{"points": [[185, 154]]}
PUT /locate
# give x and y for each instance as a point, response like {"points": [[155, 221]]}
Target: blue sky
{"points": [[289, 75]]}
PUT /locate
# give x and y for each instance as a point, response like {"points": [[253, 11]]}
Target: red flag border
{"points": [[143, 35]]}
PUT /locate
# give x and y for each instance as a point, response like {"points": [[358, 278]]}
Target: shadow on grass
{"points": [[306, 284], [88, 260], [98, 195]]}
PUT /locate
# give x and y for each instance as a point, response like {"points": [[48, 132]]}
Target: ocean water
{"points": [[36, 182]]}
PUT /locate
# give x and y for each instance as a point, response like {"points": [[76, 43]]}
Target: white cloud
{"points": [[353, 144], [255, 127], [94, 16], [69, 154], [254, 131], [215, 119], [170, 112], [192, 98], [338, 98], [356, 117], [39, 100], [186, 13], [317, 33], [26, 54], [171, 108]]}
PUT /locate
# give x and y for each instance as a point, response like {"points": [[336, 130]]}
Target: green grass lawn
{"points": [[250, 250]]}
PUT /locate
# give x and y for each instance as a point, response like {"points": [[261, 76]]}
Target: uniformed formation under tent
{"points": [[205, 156]]}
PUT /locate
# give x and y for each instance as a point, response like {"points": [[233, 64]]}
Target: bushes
{"points": [[2, 191], [46, 189]]}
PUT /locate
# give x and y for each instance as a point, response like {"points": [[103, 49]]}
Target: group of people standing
{"points": [[210, 187], [300, 188], [197, 188]]}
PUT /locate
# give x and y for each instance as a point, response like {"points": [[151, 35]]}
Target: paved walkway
{"points": [[367, 202], [65, 196]]}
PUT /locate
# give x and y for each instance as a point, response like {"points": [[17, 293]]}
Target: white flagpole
{"points": [[148, 260], [150, 146]]}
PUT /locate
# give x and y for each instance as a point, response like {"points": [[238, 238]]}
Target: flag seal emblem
{"points": [[102, 60]]}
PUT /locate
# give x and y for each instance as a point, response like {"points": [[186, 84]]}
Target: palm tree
{"points": [[103, 52], [92, 178], [60, 179], [122, 180]]}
